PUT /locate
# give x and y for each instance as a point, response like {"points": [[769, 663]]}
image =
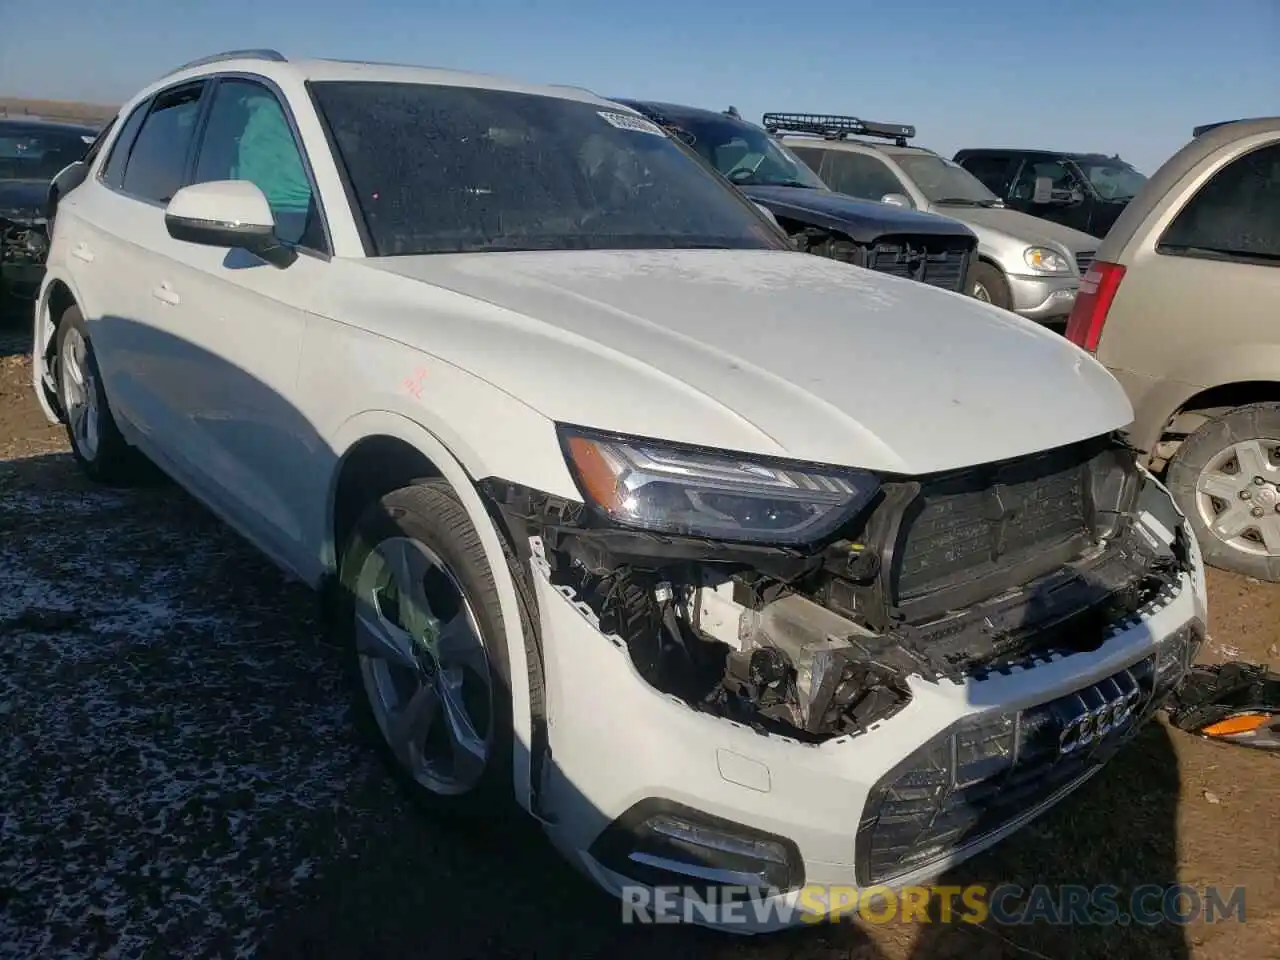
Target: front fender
{"points": [[390, 423]]}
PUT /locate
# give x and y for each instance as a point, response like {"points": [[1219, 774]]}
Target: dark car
{"points": [[1086, 191], [920, 246], [32, 153]]}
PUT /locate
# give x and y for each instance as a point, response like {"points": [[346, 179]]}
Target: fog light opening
{"points": [[660, 843]]}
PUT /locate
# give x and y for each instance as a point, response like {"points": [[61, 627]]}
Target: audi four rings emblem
{"points": [[1103, 708]]}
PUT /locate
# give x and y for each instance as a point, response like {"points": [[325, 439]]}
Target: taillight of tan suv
{"points": [[1093, 301]]}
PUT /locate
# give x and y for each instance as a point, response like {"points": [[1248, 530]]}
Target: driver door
{"points": [[1067, 199], [239, 323]]}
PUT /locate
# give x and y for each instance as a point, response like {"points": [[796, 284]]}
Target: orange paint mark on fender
{"points": [[413, 384]]}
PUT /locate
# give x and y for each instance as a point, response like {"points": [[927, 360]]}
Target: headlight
{"points": [[658, 486], [1044, 260]]}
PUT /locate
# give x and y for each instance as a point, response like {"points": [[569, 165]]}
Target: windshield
{"points": [[1113, 179], [945, 181], [442, 169], [31, 152], [747, 155]]}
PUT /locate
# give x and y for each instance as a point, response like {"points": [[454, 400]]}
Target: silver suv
{"points": [[1025, 264]]}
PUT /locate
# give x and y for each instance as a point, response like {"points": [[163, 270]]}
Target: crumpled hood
{"points": [[770, 352], [23, 197], [1021, 226]]}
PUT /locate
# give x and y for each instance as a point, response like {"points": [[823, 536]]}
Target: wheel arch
{"points": [[56, 296], [1180, 402], [381, 451]]}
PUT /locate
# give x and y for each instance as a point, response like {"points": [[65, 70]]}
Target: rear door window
{"points": [[158, 161], [113, 169], [992, 169], [860, 175], [1235, 216], [811, 156]]}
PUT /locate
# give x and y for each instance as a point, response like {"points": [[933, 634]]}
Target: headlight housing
{"points": [[1046, 260], [671, 488]]}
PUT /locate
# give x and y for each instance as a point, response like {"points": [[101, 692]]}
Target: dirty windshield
{"points": [[35, 152], [1113, 179], [745, 154], [443, 169], [945, 181]]}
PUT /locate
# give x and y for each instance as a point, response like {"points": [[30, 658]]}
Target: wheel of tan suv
{"points": [[95, 439], [986, 283], [1226, 479], [422, 628]]}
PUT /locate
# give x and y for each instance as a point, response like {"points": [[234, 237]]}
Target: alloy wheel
{"points": [[79, 393], [424, 666]]}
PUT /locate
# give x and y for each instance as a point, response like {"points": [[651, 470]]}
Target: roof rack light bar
{"points": [[833, 126]]}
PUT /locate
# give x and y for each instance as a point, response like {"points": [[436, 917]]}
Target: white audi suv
{"points": [[738, 569]]}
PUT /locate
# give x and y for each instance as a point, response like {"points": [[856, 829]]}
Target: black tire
{"points": [[113, 461], [985, 277], [430, 512], [1258, 421]]}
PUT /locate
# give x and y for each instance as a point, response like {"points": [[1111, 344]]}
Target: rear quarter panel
{"points": [[1181, 324]]}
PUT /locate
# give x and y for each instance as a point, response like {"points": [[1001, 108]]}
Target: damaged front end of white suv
{"points": [[860, 678], [799, 599]]}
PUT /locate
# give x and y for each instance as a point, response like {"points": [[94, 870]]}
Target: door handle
{"points": [[166, 294], [81, 251]]}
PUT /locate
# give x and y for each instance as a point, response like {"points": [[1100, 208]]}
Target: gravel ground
{"points": [[178, 776]]}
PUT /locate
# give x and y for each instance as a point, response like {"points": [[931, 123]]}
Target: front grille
{"points": [[925, 259], [1084, 261], [992, 769], [968, 526]]}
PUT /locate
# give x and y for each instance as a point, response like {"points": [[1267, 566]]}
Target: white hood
{"points": [[761, 351]]}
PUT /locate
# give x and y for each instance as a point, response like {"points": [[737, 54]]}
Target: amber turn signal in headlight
{"points": [[652, 485]]}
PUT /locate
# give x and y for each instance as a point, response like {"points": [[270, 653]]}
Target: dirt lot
{"points": [[178, 776]]}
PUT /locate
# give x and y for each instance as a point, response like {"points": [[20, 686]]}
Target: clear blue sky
{"points": [[1127, 76]]}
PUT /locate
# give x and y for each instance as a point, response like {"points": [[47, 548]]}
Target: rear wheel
{"points": [[95, 439], [1226, 479], [987, 284]]}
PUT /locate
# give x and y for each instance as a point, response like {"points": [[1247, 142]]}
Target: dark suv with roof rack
{"points": [[926, 247], [1087, 191]]}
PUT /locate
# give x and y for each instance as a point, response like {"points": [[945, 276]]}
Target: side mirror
{"points": [[896, 200], [227, 213], [1043, 192], [64, 181]]}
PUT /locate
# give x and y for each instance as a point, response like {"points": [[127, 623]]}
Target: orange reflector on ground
{"points": [[1245, 723]]}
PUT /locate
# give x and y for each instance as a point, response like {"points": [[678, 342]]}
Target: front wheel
{"points": [[987, 284], [425, 647], [1226, 479]]}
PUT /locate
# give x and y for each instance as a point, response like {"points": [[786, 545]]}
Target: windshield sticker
{"points": [[626, 121], [87, 139]]}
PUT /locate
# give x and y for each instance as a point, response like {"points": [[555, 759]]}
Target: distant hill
{"points": [[69, 110]]}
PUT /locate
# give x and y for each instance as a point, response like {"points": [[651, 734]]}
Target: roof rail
{"points": [[275, 56], [832, 126], [1206, 127]]}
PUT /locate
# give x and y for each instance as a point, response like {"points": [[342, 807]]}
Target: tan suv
{"points": [[1183, 305]]}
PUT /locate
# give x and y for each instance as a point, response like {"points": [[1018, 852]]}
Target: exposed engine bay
{"points": [[944, 576], [23, 239]]}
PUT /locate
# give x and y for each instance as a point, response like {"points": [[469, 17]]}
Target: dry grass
{"points": [[68, 110]]}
